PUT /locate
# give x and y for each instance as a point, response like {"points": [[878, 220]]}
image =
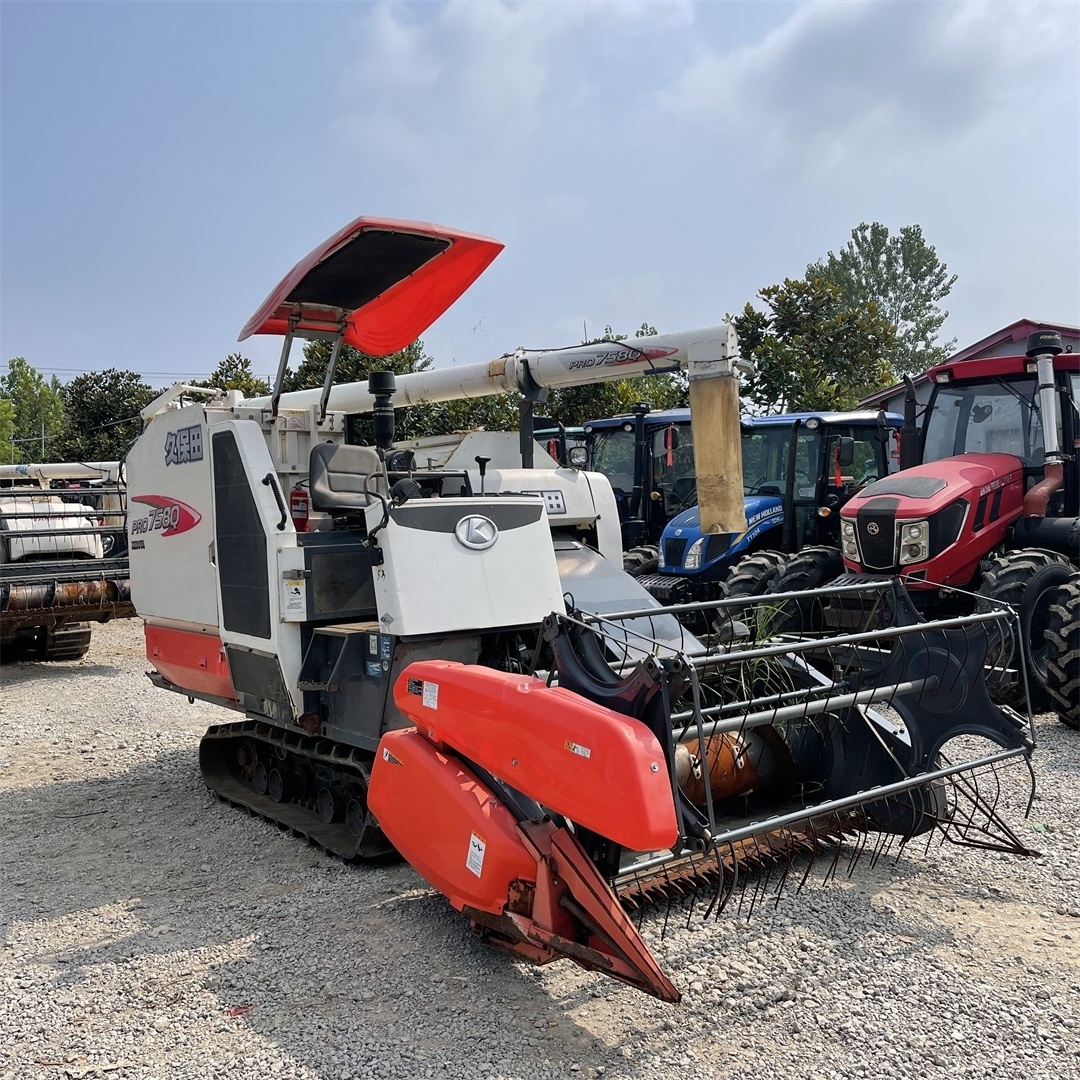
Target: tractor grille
{"points": [[875, 523], [674, 551]]}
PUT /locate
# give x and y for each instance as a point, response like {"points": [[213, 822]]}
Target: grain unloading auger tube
{"points": [[632, 774]]}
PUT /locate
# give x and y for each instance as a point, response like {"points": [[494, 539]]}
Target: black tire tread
{"points": [[811, 568], [69, 642], [1063, 653], [1008, 579]]}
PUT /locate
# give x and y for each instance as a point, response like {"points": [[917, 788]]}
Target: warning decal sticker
{"points": [[475, 859], [431, 695]]}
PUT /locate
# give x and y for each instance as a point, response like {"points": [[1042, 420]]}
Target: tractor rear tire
{"points": [[811, 568], [1063, 653], [68, 642], [1027, 581], [751, 576]]}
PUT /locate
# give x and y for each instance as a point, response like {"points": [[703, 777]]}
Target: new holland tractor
{"points": [[447, 661]]}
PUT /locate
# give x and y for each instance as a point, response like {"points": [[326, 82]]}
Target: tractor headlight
{"points": [[661, 562], [693, 555], [914, 541], [848, 541]]}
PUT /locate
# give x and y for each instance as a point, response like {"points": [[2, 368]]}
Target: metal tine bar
{"points": [[834, 862], [994, 826], [847, 802], [801, 645], [882, 843], [815, 707], [858, 847], [739, 601], [789, 858], [768, 699]]}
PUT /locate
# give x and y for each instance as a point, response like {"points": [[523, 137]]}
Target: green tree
{"points": [[37, 414], [811, 350], [7, 429], [234, 373], [904, 277], [101, 411]]}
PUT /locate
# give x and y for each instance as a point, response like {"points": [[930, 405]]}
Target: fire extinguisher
{"points": [[299, 504]]}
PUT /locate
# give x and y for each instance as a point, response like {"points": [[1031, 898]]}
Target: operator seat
{"points": [[337, 474]]}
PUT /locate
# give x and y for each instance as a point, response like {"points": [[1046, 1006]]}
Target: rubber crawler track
{"points": [[341, 770]]}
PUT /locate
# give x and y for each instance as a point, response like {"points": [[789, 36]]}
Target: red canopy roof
{"points": [[387, 281]]}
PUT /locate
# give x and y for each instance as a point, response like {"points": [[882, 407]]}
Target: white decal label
{"points": [[431, 695], [577, 748], [475, 860], [292, 591]]}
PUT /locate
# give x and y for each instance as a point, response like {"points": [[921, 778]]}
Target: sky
{"points": [[163, 164]]}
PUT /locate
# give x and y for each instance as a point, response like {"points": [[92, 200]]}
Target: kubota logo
{"points": [[167, 516], [476, 532]]}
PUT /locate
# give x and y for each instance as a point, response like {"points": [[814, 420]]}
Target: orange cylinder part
{"points": [[447, 825], [730, 770], [600, 769]]}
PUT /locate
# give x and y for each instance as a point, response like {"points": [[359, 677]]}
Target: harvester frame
{"points": [[424, 652]]}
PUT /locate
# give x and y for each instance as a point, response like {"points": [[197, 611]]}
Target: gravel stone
{"points": [[150, 931]]}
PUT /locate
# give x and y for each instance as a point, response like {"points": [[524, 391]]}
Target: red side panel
{"points": [[600, 769], [193, 661], [388, 279], [447, 825]]}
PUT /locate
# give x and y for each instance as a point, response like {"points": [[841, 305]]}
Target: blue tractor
{"points": [[798, 470]]}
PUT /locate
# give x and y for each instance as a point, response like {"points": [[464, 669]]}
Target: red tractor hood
{"points": [[926, 489], [383, 281]]}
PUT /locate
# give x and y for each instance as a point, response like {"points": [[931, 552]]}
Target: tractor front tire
{"points": [[812, 568], [1027, 581], [1063, 653], [750, 577]]}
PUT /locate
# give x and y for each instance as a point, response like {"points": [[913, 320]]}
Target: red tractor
{"points": [[991, 513]]}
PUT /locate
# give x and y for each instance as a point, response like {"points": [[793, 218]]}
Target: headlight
{"points": [[661, 562], [914, 541], [693, 556], [848, 542]]}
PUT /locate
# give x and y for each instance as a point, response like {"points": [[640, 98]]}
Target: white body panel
{"points": [[571, 497], [432, 583], [172, 572], [283, 641]]}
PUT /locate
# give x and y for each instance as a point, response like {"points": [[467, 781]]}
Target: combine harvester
{"points": [[63, 563], [450, 662]]}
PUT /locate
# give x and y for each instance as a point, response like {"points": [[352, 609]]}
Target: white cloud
{"points": [[840, 79]]}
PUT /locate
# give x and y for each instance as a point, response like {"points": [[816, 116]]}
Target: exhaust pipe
{"points": [[1043, 346]]}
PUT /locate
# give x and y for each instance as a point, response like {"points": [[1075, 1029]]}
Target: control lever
{"points": [[482, 463]]}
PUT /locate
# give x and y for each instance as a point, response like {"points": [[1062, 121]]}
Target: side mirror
{"points": [[845, 451], [579, 456], [665, 441]]}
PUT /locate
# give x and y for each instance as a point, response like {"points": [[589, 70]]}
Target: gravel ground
{"points": [[151, 931]]}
